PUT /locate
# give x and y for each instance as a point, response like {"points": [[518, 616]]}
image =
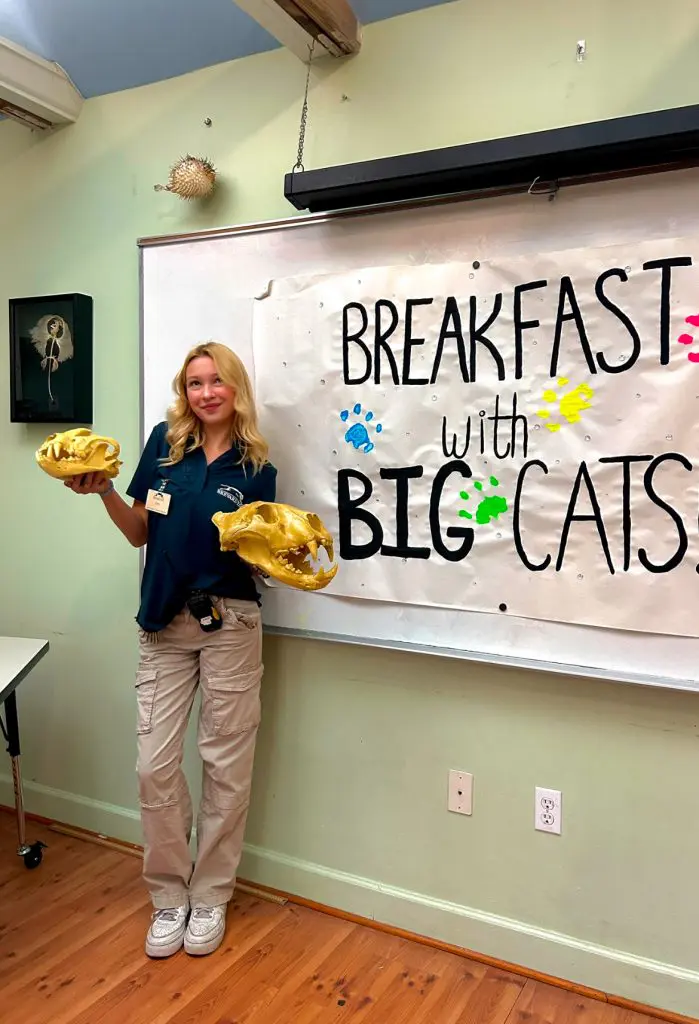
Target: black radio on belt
{"points": [[202, 608]]}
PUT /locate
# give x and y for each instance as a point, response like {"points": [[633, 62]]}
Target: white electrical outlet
{"points": [[460, 798], [547, 810]]}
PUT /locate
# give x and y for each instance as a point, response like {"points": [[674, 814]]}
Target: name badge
{"points": [[158, 501]]}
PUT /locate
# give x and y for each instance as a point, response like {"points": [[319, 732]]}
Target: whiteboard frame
{"points": [[297, 221]]}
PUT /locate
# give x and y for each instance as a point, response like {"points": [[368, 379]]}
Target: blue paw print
{"points": [[357, 434]]}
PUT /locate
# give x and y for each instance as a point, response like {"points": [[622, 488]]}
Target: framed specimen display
{"points": [[51, 359]]}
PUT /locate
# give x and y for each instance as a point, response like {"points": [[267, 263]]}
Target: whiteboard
{"points": [[205, 285]]}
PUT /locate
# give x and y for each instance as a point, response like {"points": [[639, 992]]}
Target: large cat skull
{"points": [[78, 451], [278, 539]]}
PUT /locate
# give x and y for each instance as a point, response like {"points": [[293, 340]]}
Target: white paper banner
{"points": [[517, 437]]}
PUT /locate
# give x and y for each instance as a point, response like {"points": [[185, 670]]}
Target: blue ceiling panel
{"points": [[110, 45], [106, 46]]}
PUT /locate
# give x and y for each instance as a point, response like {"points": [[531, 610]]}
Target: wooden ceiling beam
{"points": [[297, 24]]}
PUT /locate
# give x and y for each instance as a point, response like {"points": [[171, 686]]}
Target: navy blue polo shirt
{"points": [[183, 551]]}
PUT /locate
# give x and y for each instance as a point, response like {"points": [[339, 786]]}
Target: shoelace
{"points": [[203, 912], [165, 915]]}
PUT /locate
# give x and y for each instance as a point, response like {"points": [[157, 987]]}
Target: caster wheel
{"points": [[34, 856]]}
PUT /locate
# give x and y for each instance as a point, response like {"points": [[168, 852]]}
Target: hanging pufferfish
{"points": [[190, 178], [53, 341]]}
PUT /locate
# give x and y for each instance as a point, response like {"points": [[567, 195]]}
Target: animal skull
{"points": [[78, 451], [278, 539]]}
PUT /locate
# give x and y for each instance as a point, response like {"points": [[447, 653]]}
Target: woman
{"points": [[200, 624]]}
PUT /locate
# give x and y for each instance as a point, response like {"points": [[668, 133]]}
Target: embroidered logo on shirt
{"points": [[232, 493]]}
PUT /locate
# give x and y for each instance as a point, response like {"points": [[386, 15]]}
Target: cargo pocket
{"points": [[234, 702], [146, 687]]}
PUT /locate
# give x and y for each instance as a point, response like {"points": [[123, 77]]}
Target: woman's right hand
{"points": [[88, 483]]}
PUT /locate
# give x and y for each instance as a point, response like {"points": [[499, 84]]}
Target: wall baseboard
{"points": [[597, 970], [71, 808]]}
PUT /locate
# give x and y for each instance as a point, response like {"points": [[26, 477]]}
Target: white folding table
{"points": [[18, 656]]}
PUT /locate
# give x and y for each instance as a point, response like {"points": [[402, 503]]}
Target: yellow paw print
{"points": [[570, 405]]}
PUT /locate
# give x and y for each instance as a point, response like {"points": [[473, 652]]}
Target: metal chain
{"points": [[298, 166]]}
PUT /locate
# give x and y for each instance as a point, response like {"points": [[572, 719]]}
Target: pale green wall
{"points": [[349, 803]]}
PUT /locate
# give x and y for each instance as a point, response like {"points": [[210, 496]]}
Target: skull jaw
{"points": [[64, 469], [255, 552]]}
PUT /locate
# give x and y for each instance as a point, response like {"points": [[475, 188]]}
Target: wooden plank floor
{"points": [[72, 932]]}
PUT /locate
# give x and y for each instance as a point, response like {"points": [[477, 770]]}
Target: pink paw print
{"points": [[688, 339]]}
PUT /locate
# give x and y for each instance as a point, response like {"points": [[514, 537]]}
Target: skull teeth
{"points": [[302, 552]]}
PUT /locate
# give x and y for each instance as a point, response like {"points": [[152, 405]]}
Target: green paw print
{"points": [[489, 507]]}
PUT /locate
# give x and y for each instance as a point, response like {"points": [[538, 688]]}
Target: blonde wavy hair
{"points": [[185, 430]]}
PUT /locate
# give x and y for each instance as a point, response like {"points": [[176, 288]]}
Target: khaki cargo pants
{"points": [[227, 666]]}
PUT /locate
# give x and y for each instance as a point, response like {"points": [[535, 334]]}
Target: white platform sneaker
{"points": [[205, 931], [166, 932]]}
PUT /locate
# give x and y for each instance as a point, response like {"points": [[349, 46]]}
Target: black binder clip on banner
{"points": [[202, 608]]}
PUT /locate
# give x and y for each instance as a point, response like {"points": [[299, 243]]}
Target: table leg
{"points": [[31, 854], [13, 749]]}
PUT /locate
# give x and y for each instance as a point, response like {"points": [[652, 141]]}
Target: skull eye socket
{"points": [[315, 522], [268, 514]]}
